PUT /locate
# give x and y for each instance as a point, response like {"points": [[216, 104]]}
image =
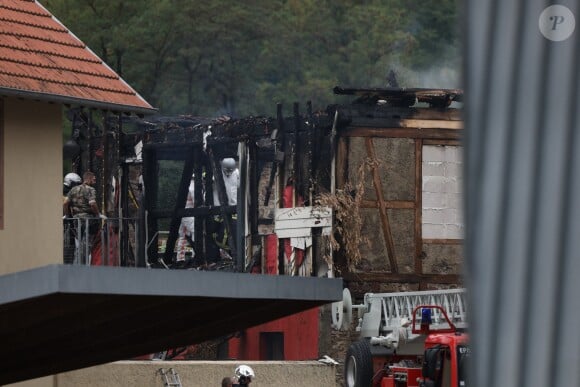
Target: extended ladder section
{"points": [[170, 377], [382, 313]]}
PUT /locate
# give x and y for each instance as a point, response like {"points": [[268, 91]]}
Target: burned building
{"points": [[375, 186], [369, 191]]}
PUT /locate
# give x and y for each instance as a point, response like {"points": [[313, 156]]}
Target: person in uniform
{"points": [[81, 204], [70, 180]]}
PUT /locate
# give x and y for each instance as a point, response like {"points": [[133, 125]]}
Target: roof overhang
{"points": [[67, 100], [62, 317]]}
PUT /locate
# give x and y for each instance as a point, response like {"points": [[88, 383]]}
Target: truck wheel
{"points": [[358, 365]]}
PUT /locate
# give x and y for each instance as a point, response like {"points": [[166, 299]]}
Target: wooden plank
{"points": [[397, 204], [382, 209], [443, 241], [429, 141], [390, 132], [386, 277], [342, 162], [395, 112], [406, 123], [299, 221], [284, 224], [302, 213], [435, 124], [294, 233], [418, 205]]}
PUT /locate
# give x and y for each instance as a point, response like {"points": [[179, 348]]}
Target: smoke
{"points": [[436, 77], [444, 72], [440, 77]]}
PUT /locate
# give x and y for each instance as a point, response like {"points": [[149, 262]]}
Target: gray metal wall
{"points": [[522, 192]]}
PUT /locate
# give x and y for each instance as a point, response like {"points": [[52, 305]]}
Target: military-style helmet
{"points": [[72, 179], [244, 372]]}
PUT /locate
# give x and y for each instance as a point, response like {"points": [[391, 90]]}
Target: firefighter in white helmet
{"points": [[70, 180], [244, 375]]}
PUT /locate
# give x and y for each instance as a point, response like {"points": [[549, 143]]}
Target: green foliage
{"points": [[241, 58]]}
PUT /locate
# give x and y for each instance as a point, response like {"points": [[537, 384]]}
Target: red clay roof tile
{"points": [[40, 58]]}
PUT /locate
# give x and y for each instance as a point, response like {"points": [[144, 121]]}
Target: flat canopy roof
{"points": [[63, 317]]}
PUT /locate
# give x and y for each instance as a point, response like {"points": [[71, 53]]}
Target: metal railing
{"points": [[100, 242]]}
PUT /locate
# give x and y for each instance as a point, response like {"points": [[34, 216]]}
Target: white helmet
{"points": [[244, 371], [228, 166], [72, 179]]}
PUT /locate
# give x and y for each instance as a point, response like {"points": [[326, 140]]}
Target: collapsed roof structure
{"points": [[310, 155]]}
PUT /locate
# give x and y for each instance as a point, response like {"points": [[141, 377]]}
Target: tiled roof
{"points": [[40, 58]]}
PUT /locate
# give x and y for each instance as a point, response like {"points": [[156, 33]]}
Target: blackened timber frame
{"points": [[200, 164], [152, 154], [180, 203]]}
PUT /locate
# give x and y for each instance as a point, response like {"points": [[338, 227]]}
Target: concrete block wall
{"points": [[442, 214], [200, 374]]}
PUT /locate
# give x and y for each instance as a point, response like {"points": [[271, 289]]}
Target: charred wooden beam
{"points": [[296, 169], [378, 112], [309, 154], [253, 188], [222, 196], [151, 187], [279, 146], [124, 198], [182, 192], [403, 96], [242, 207]]}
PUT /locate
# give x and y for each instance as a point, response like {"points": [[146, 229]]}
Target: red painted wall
{"points": [[300, 338]]}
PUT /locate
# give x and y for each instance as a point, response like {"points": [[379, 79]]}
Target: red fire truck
{"points": [[409, 339]]}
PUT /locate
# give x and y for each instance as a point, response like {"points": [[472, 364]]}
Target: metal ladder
{"points": [[381, 313], [170, 377]]}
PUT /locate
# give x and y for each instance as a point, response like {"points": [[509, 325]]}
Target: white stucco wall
{"points": [[32, 234], [442, 214]]}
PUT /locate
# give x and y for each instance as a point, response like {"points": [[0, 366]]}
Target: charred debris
{"points": [[144, 167]]}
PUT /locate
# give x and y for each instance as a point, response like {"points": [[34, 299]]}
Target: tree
{"points": [[240, 58]]}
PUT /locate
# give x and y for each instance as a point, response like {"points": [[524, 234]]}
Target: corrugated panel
{"points": [[522, 183], [38, 55]]}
